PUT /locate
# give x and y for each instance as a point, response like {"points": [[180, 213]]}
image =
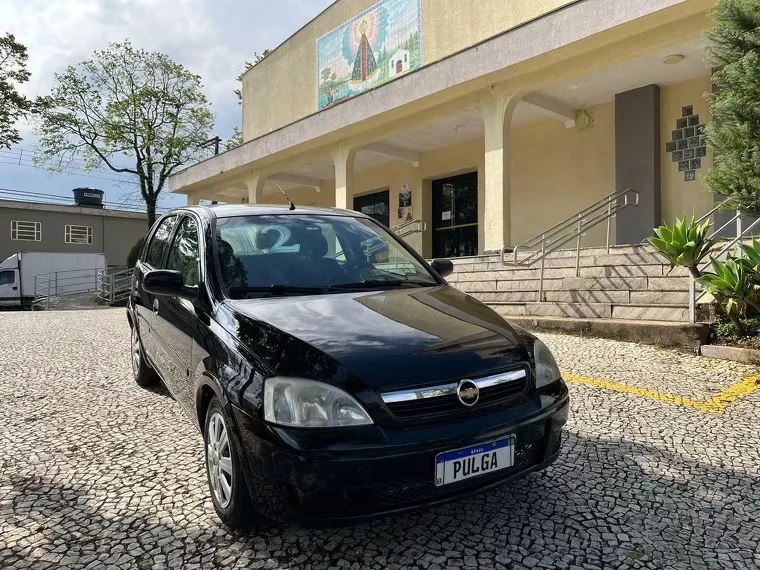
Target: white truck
{"points": [[60, 273]]}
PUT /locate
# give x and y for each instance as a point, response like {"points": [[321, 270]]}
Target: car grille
{"points": [[447, 404]]}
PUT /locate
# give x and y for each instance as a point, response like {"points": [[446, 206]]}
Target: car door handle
{"points": [[155, 306], [14, 288]]}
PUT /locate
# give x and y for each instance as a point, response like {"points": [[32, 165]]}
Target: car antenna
{"points": [[292, 205]]}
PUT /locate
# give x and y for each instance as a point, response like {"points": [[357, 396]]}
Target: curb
{"points": [[743, 355]]}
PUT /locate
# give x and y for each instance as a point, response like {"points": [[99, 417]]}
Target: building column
{"points": [[193, 199], [254, 182], [422, 202], [497, 107], [343, 160], [637, 161]]}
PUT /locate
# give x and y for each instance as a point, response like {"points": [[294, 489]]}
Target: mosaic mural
{"points": [[368, 50], [688, 146]]}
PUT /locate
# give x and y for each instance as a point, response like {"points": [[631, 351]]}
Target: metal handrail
{"points": [[740, 235], [399, 230], [571, 228], [571, 223]]}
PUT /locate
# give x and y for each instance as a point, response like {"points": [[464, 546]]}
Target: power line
{"points": [[28, 159], [17, 157], [25, 152], [120, 181], [41, 198]]}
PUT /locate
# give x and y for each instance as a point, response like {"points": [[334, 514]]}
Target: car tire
{"points": [[226, 481], [143, 374]]}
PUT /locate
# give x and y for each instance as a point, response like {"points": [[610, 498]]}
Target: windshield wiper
{"points": [[278, 290], [371, 283]]}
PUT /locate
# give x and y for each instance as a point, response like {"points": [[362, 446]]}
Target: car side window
{"points": [[184, 255], [160, 242], [7, 278]]}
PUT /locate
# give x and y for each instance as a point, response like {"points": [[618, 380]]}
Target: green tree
{"points": [[237, 134], [13, 105], [734, 134], [134, 111], [134, 253]]}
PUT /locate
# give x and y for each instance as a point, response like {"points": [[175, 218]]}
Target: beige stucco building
{"points": [[488, 120]]}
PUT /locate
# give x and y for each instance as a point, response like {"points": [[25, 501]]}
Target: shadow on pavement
{"points": [[608, 503]]}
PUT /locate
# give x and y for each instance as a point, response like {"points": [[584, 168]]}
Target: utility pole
{"points": [[216, 141]]}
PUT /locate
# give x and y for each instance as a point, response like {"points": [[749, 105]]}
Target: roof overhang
{"points": [[564, 38]]}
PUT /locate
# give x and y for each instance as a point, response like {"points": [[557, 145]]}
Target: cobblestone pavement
{"points": [[98, 473]]}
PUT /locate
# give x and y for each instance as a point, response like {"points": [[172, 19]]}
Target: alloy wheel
{"points": [[219, 460], [135, 352]]}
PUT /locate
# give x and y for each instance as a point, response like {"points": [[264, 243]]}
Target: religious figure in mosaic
{"points": [[365, 66], [379, 44]]}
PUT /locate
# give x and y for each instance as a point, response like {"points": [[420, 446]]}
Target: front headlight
{"points": [[547, 370], [299, 402]]}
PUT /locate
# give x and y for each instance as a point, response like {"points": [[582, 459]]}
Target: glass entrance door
{"points": [[376, 205], [455, 216]]}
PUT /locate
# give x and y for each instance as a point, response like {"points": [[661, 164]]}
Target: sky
{"points": [[212, 38]]}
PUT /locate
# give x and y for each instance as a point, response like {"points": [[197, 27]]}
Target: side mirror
{"points": [[443, 267], [169, 283]]}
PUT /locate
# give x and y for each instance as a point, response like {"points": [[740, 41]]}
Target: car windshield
{"points": [[311, 254]]}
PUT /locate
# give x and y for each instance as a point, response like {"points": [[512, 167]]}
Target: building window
{"points": [[79, 234], [26, 231]]}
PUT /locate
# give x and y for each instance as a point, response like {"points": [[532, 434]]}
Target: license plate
{"points": [[461, 464]]}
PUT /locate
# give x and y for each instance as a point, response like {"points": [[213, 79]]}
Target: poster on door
{"points": [[405, 213]]}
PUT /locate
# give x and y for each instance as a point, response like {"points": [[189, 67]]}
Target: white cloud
{"points": [[212, 38]]}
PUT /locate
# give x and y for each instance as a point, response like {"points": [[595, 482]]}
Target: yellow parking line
{"points": [[715, 405]]}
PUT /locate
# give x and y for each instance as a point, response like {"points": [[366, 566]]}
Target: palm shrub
{"points": [[734, 284], [685, 244], [751, 259]]}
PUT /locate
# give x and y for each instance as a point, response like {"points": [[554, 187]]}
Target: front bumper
{"points": [[341, 476]]}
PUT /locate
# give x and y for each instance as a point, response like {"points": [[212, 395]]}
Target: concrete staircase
{"points": [[628, 288]]}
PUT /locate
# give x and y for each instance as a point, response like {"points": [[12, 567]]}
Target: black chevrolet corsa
{"points": [[334, 374]]}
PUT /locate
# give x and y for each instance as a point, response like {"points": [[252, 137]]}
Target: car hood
{"points": [[399, 337]]}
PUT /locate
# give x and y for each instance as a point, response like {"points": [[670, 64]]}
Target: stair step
{"points": [[506, 296], [514, 285], [633, 298], [665, 334], [673, 313], [659, 297], [668, 284], [622, 297], [606, 283], [586, 252], [614, 260], [522, 273], [584, 310]]}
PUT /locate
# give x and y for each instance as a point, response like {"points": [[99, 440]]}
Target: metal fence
{"points": [[112, 284]]}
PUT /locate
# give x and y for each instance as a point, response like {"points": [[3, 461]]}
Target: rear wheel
{"points": [[143, 374], [225, 477]]}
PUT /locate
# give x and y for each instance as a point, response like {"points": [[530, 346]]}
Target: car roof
{"points": [[232, 210]]}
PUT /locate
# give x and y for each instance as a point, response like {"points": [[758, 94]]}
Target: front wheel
{"points": [[225, 477], [143, 374]]}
